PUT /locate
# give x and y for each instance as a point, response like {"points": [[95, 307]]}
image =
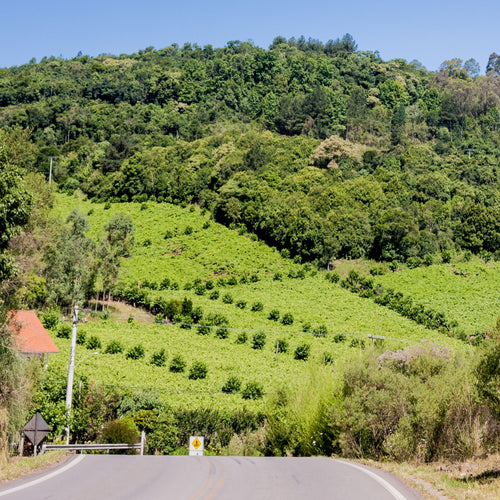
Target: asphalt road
{"points": [[93, 477]]}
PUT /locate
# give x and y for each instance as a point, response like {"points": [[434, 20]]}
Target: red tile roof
{"points": [[30, 335]]}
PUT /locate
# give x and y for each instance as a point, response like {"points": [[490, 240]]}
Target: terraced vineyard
{"points": [[209, 253]]}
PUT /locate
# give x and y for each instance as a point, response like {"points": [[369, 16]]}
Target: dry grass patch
{"points": [[475, 479], [20, 466]]}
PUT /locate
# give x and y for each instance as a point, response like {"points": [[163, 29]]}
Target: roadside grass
{"points": [[475, 479], [20, 466]]}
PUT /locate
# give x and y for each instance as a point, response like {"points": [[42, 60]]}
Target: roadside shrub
{"points": [[339, 337], [257, 306], [306, 327], [320, 331], [241, 338], [232, 385], [81, 337], [177, 365], [274, 315], [93, 343], [50, 319], [120, 431], [198, 370], [136, 352], [158, 358], [64, 331], [302, 352], [252, 390], [287, 319], [113, 347], [258, 340]]}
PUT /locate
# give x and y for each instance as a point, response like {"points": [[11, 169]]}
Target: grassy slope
{"points": [[204, 254], [467, 292]]}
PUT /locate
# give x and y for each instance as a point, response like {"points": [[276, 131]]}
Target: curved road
{"points": [[93, 477]]}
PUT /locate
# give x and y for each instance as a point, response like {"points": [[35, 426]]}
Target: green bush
{"points": [[241, 304], [64, 331], [198, 370], [253, 390], [241, 338], [93, 343], [278, 276], [302, 352], [197, 314], [233, 384], [81, 337], [227, 298], [50, 319], [120, 431], [339, 337], [320, 331], [214, 295], [282, 345], [136, 352], [287, 319], [159, 358], [274, 315], [177, 365], [257, 306], [258, 340], [114, 347], [232, 281], [188, 230]]}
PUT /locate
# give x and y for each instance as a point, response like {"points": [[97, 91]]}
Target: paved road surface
{"points": [[93, 477]]}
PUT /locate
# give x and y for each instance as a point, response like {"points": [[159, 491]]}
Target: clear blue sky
{"points": [[429, 31]]}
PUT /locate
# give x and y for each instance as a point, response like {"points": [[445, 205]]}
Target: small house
{"points": [[32, 339]]}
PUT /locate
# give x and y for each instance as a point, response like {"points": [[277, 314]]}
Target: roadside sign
{"points": [[36, 429], [196, 445]]}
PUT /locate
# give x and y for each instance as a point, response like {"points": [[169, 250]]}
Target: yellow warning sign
{"points": [[196, 443]]}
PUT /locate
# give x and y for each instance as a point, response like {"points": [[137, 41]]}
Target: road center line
{"points": [[388, 486], [66, 467]]}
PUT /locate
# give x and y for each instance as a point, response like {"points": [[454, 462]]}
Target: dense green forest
{"points": [[319, 149]]}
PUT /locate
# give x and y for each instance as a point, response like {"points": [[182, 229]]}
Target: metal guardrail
{"points": [[84, 447]]}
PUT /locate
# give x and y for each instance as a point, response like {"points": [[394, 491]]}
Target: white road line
{"points": [[44, 478], [388, 486]]}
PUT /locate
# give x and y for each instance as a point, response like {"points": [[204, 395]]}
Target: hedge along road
{"points": [[206, 478]]}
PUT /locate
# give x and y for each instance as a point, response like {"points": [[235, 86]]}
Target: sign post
{"points": [[36, 430], [196, 446]]}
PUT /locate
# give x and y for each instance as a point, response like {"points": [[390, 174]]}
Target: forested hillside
{"points": [[319, 149]]}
